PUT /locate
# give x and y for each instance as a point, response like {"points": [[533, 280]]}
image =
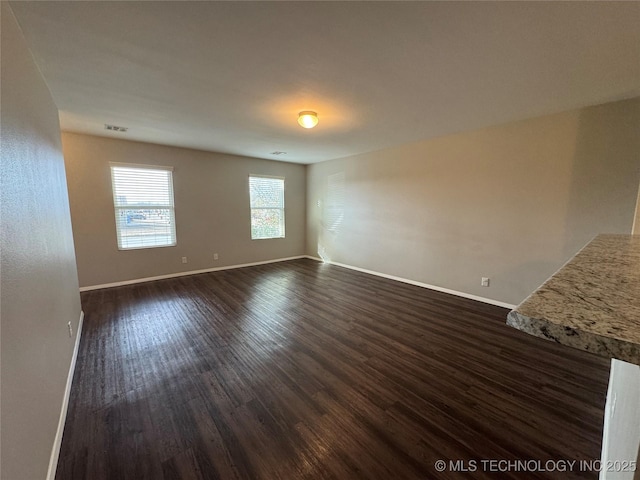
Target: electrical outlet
{"points": [[484, 282], [215, 256], [70, 329], [184, 259]]}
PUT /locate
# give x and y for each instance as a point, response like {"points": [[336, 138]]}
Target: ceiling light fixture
{"points": [[308, 119]]}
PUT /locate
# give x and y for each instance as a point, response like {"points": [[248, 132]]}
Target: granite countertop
{"points": [[592, 303]]}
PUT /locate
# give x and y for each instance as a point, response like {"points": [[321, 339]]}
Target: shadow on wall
{"points": [[332, 213], [605, 174], [536, 273]]}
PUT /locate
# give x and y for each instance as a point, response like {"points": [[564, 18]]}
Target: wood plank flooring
{"points": [[300, 370]]}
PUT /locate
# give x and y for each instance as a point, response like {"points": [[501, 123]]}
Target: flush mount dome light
{"points": [[308, 119]]}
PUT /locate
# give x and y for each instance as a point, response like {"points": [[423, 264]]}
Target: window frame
{"points": [[117, 208], [283, 208]]}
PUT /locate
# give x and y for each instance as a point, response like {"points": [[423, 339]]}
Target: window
{"points": [[143, 202], [267, 207]]}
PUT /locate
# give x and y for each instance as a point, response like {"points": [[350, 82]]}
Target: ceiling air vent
{"points": [[115, 128]]}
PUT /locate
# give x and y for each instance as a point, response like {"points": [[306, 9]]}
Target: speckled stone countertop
{"points": [[592, 303]]}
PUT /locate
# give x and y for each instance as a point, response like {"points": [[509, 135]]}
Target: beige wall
{"points": [[511, 202], [39, 284], [212, 209]]}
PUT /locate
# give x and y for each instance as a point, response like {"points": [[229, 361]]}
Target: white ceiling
{"points": [[232, 76]]}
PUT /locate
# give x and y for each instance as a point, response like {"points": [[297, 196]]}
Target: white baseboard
{"points": [[419, 284], [317, 259], [184, 274], [55, 451]]}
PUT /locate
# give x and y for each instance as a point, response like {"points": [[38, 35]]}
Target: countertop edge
{"points": [[571, 337]]}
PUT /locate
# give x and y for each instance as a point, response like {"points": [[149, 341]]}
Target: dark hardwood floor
{"points": [[299, 370]]}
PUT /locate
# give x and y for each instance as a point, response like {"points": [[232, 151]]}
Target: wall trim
{"points": [[57, 443], [419, 284], [635, 227], [184, 274], [310, 257], [608, 419]]}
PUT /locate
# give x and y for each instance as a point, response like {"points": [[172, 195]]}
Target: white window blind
{"points": [[267, 207], [143, 202]]}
